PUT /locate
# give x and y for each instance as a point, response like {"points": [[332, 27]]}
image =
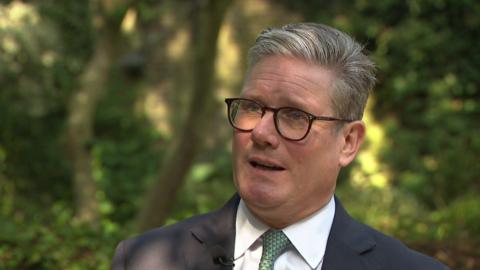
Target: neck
{"points": [[281, 218]]}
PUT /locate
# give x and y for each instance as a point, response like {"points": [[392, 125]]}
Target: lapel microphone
{"points": [[219, 256]]}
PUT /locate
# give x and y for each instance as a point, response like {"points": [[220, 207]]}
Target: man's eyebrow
{"points": [[284, 102], [254, 97], [294, 103]]}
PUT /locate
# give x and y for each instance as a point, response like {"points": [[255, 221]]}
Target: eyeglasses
{"points": [[291, 123]]}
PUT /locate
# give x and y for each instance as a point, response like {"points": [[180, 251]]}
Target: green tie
{"points": [[274, 243]]}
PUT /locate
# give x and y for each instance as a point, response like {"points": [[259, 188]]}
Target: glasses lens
{"points": [[292, 123], [245, 114]]}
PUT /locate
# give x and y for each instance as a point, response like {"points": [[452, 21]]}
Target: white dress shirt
{"points": [[308, 236]]}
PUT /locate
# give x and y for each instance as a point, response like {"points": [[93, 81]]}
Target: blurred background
{"points": [[112, 120]]}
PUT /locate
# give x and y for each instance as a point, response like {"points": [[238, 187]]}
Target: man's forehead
{"points": [[296, 68], [286, 74]]}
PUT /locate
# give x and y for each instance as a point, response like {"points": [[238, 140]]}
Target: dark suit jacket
{"points": [[202, 241]]}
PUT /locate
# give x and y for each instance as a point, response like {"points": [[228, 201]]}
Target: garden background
{"points": [[112, 120]]}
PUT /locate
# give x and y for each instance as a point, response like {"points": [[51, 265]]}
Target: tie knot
{"points": [[274, 243]]}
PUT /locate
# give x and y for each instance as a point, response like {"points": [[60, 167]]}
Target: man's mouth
{"points": [[265, 166]]}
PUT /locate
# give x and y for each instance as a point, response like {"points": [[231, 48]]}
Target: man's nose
{"points": [[264, 133]]}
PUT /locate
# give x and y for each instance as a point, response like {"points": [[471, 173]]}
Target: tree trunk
{"points": [[205, 28], [82, 106]]}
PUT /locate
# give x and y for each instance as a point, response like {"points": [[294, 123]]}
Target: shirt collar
{"points": [[313, 229], [248, 230]]}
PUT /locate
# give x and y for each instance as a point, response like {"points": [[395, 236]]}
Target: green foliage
{"points": [[429, 98], [45, 50], [126, 153], [74, 23], [51, 241], [208, 186], [459, 221], [31, 104], [399, 213], [389, 210]]}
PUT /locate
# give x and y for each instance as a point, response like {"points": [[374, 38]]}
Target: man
{"points": [[296, 123]]}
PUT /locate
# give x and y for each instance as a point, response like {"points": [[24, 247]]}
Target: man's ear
{"points": [[353, 135]]}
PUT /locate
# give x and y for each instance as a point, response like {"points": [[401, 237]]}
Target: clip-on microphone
{"points": [[219, 256]]}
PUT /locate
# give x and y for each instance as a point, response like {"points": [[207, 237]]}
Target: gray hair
{"points": [[329, 48]]}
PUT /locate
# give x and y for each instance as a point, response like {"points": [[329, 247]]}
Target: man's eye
{"points": [[294, 115], [250, 107]]}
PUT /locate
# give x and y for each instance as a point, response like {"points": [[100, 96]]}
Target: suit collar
{"points": [[217, 232], [348, 247], [348, 243]]}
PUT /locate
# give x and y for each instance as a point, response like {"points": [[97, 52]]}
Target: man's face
{"points": [[304, 175]]}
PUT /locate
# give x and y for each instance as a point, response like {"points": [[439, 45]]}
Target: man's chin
{"points": [[261, 199]]}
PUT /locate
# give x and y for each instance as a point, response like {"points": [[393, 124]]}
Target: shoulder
{"points": [[374, 247], [396, 255], [167, 233], [166, 247], [160, 247]]}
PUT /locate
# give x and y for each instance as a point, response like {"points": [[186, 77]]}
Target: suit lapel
{"points": [[215, 237], [349, 244]]}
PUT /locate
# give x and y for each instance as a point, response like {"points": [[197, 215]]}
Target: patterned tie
{"points": [[274, 243]]}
